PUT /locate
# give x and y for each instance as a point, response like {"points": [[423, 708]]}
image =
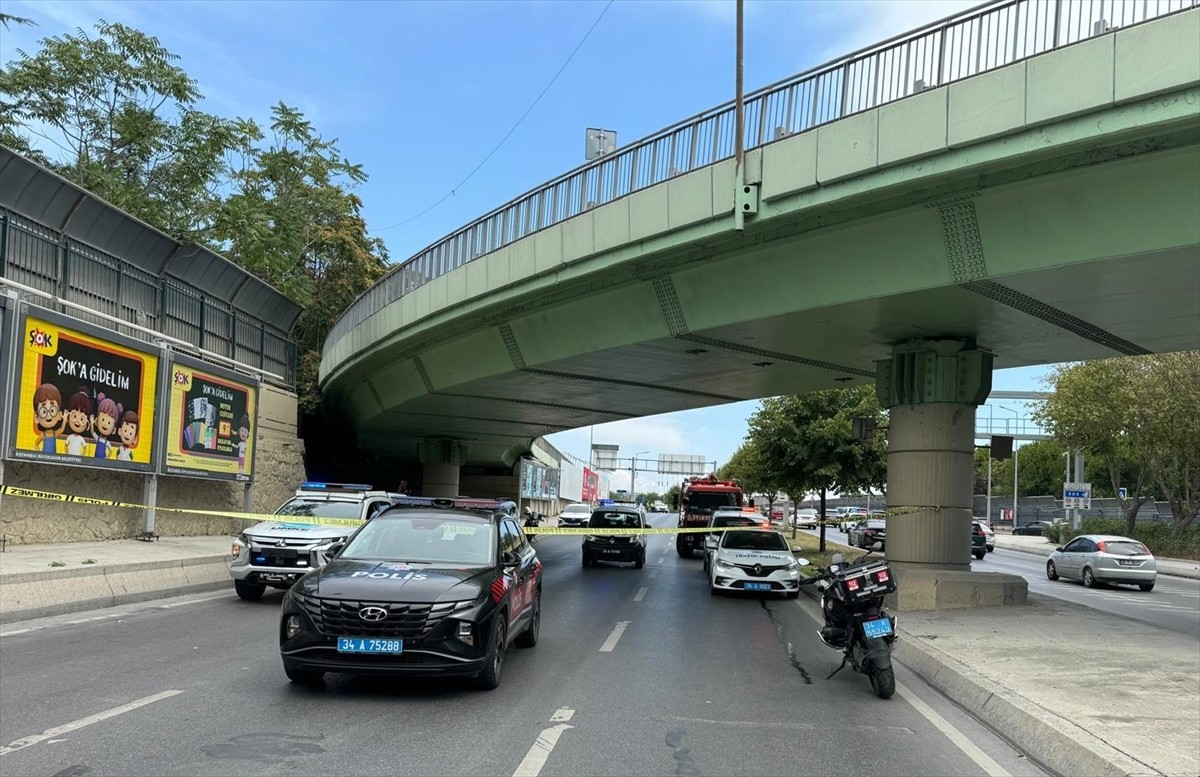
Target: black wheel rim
{"points": [[1087, 577], [537, 616], [498, 660], [1050, 568]]}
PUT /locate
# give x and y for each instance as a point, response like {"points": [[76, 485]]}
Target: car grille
{"points": [[764, 571], [339, 617], [278, 557]]}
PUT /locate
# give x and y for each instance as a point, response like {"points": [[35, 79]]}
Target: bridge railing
{"points": [[957, 47]]}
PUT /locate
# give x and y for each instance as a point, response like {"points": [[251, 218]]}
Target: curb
{"points": [[29, 595], [1054, 741], [1187, 574]]}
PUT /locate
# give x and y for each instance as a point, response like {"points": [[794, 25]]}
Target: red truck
{"points": [[698, 497]]}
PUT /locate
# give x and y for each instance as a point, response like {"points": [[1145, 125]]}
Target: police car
{"points": [[428, 587], [278, 553], [754, 560]]}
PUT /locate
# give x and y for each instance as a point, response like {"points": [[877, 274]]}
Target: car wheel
{"points": [[302, 676], [489, 678], [979, 554], [1089, 579], [248, 591], [529, 636], [989, 550], [1147, 587], [641, 561], [587, 561], [1051, 571]]}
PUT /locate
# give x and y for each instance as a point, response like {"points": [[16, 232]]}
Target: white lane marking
{"points": [[956, 737], [197, 600], [123, 612], [611, 642], [531, 765], [75, 725], [960, 740], [653, 572], [15, 631], [641, 594]]}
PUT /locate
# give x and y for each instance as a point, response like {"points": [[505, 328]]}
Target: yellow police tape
{"points": [[53, 496]]}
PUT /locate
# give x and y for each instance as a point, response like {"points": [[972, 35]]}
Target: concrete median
{"points": [[27, 595]]}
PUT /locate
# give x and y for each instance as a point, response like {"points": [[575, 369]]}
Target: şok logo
{"points": [[40, 339]]}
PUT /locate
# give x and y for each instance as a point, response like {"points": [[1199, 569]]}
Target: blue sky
{"points": [[421, 92]]}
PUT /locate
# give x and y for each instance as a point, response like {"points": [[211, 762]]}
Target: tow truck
{"points": [[698, 497]]}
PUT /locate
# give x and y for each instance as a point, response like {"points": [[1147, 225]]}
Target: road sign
{"points": [[1122, 493], [1077, 496]]}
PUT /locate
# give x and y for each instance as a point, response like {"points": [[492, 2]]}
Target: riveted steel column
{"points": [[931, 388]]}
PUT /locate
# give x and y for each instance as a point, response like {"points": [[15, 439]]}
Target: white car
{"points": [[804, 518], [576, 514], [755, 560]]}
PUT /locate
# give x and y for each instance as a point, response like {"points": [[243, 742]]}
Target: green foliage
{"points": [[748, 468], [1137, 417], [671, 497], [115, 113]]}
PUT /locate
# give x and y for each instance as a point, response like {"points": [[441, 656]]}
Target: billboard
{"points": [[211, 422], [538, 481], [682, 464], [591, 485], [84, 396], [605, 456]]}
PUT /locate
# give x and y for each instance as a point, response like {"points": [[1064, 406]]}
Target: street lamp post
{"points": [[1015, 450], [633, 473]]}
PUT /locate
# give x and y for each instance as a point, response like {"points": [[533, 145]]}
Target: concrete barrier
{"points": [[27, 595]]}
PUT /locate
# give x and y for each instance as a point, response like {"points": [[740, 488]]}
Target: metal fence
{"points": [[953, 49], [38, 257]]}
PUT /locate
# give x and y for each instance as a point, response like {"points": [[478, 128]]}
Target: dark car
{"points": [[1034, 528], [867, 533], [430, 587], [607, 544], [978, 541]]}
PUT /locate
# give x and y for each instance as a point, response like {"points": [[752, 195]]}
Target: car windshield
{"points": [[321, 508], [1125, 548], [874, 523], [614, 520], [754, 540], [432, 539], [707, 501], [577, 509]]}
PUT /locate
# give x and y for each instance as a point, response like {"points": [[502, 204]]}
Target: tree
{"points": [[119, 116], [746, 466], [807, 443], [1132, 414], [293, 221], [671, 497]]}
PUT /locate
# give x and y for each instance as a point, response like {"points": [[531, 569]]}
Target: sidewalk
{"points": [[1043, 547], [117, 572]]}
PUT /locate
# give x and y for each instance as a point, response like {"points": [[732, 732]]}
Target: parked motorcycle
{"points": [[532, 520], [855, 621]]}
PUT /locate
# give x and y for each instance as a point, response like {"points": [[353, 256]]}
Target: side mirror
{"points": [[802, 561], [876, 545], [510, 559], [334, 549], [1059, 549]]}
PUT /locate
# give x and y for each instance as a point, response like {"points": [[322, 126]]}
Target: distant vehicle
{"points": [[278, 553], [865, 533], [1104, 558], [698, 498], [609, 547], [754, 560], [1034, 528], [851, 516], [804, 518], [576, 514], [978, 542], [989, 535]]}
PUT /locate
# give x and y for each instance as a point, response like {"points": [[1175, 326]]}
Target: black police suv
{"points": [[611, 546], [429, 586]]}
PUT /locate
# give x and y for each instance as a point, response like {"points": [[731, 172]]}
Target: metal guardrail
{"points": [[958, 47]]}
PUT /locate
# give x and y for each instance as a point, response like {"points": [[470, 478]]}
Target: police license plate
{"points": [[758, 586], [370, 645], [880, 627]]}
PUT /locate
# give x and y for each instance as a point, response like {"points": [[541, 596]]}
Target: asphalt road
{"points": [[690, 685], [1173, 604]]}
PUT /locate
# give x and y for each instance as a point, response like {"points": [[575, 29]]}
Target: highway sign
{"points": [[1077, 496], [1122, 493]]}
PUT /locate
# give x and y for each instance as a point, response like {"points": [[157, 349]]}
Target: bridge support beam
{"points": [[931, 389], [442, 460]]}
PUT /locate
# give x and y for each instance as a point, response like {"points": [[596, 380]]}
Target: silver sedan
{"points": [[1104, 558]]}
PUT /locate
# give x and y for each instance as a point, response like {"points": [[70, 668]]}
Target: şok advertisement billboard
{"points": [[84, 396], [211, 420]]}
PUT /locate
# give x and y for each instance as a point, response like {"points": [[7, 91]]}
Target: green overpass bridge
{"points": [[1017, 185]]}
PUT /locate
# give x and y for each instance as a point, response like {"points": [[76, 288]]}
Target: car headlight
{"points": [[291, 626], [723, 564]]}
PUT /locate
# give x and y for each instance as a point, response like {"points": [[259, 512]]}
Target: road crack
{"points": [[789, 648]]}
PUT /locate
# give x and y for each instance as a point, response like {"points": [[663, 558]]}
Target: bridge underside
{"points": [[1049, 265]]}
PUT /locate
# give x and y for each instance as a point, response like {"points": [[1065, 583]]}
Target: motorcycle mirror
{"points": [[837, 558], [877, 545], [802, 561]]}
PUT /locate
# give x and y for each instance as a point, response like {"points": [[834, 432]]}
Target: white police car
{"points": [[278, 553], [758, 560]]}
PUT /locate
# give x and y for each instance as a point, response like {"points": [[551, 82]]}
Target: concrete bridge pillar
{"points": [[931, 389], [442, 459]]}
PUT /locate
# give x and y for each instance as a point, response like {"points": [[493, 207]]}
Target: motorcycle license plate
{"points": [[758, 586], [880, 627]]}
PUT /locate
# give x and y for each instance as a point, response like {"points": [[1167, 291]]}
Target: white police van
{"points": [[278, 553]]}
